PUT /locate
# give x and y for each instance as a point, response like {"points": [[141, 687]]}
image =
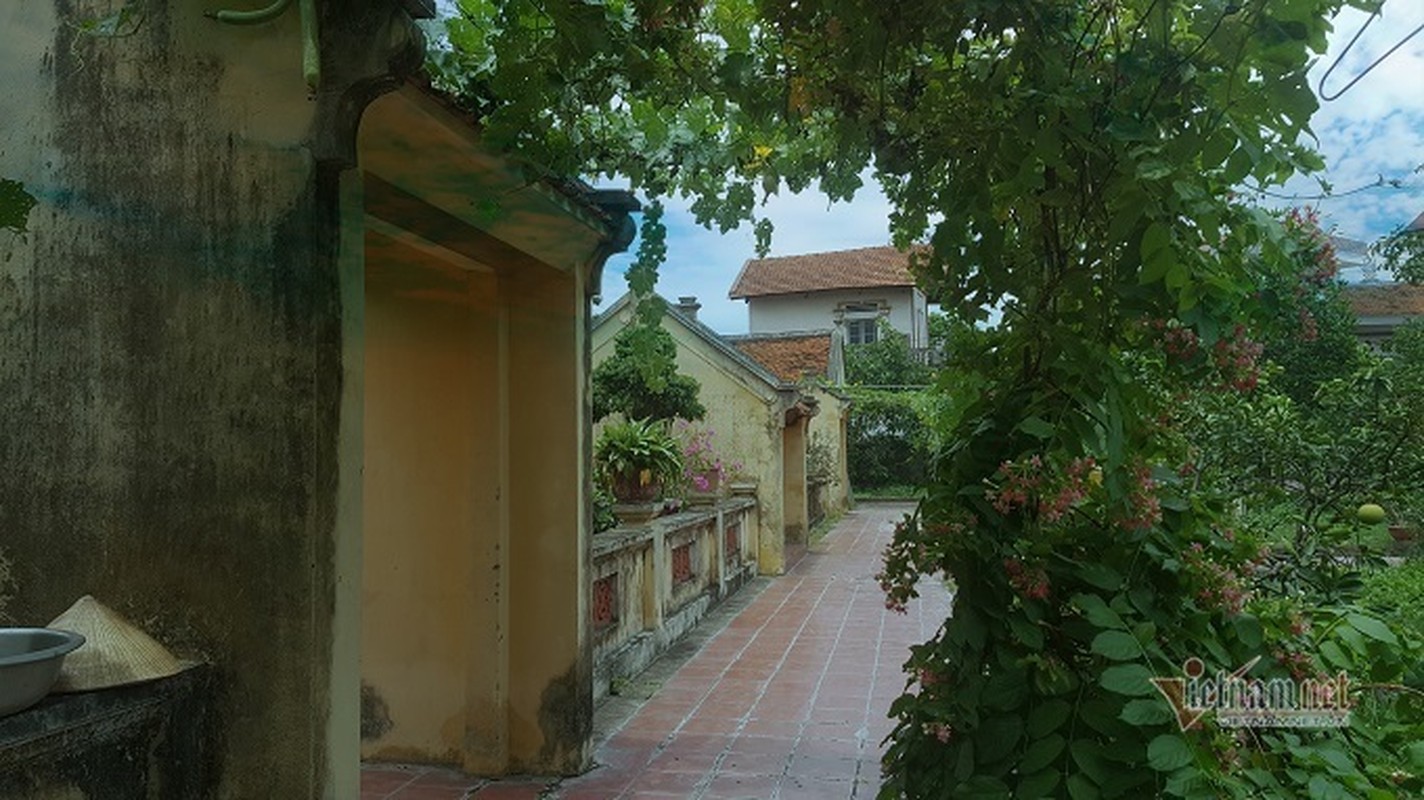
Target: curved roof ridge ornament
{"points": [[311, 53]]}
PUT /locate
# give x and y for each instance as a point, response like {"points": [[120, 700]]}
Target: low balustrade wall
{"points": [[652, 583]]}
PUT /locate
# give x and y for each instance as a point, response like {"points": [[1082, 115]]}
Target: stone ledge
{"points": [[149, 741], [636, 654]]}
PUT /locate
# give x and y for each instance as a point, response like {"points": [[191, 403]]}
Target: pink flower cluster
{"points": [[1179, 341], [901, 571], [1018, 482], [1220, 587], [1146, 508], [1235, 357], [1324, 261], [1298, 663], [1029, 582], [699, 458], [1028, 484], [1073, 490]]}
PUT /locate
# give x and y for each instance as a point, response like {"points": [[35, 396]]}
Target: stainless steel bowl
{"points": [[29, 664]]}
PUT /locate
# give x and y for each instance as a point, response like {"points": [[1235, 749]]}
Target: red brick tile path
{"points": [[787, 701]]}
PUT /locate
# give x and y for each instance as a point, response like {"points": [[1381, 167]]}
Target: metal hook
{"points": [[1320, 87]]}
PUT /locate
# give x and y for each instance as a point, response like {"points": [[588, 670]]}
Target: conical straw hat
{"points": [[115, 653]]}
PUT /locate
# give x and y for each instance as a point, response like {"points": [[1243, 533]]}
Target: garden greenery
{"points": [[1074, 164], [15, 206], [887, 438]]}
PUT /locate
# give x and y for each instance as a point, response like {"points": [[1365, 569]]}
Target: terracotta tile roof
{"points": [[1385, 300], [789, 357], [813, 272]]}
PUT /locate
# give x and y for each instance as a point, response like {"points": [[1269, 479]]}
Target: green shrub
{"points": [[888, 439], [1399, 592], [603, 517]]}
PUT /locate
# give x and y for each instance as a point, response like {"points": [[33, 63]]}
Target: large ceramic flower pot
{"points": [[634, 488]]}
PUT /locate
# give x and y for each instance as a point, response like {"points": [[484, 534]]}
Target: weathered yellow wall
{"points": [[793, 486], [829, 426], [476, 530], [747, 418], [475, 604], [173, 329], [430, 501], [550, 652]]}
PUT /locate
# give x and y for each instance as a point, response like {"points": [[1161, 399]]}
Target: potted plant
{"points": [[702, 469], [635, 459]]}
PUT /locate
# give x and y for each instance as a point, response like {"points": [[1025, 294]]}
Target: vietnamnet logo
{"points": [[1241, 702]]}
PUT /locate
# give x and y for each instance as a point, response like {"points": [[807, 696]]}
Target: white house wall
{"points": [[815, 311]]}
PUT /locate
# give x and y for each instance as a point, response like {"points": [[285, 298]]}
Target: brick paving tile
{"points": [[791, 693], [786, 701], [512, 790]]}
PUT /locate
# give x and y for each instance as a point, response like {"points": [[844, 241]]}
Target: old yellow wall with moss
{"points": [[173, 330]]}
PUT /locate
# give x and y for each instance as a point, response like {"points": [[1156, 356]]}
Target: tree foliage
{"points": [[1332, 425], [886, 362], [15, 206], [887, 438], [1403, 254], [624, 383], [1072, 163]]}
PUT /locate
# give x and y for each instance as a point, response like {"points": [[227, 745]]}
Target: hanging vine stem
{"points": [[1379, 183], [311, 52]]}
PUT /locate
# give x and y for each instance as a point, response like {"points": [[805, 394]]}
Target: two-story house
{"points": [[853, 289]]}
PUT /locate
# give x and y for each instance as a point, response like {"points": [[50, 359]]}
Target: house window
{"points": [[861, 331]]}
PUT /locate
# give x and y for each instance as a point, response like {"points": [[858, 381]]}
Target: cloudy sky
{"points": [[1376, 129]]}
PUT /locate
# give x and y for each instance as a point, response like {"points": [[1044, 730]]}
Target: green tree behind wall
{"points": [[888, 435], [640, 380]]}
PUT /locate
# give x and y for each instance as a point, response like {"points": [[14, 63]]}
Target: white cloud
{"points": [[1375, 130]]}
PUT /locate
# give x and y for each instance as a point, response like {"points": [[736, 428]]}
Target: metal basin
{"points": [[29, 664]]}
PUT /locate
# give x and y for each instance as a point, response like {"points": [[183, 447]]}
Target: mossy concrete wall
{"points": [[171, 334]]}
